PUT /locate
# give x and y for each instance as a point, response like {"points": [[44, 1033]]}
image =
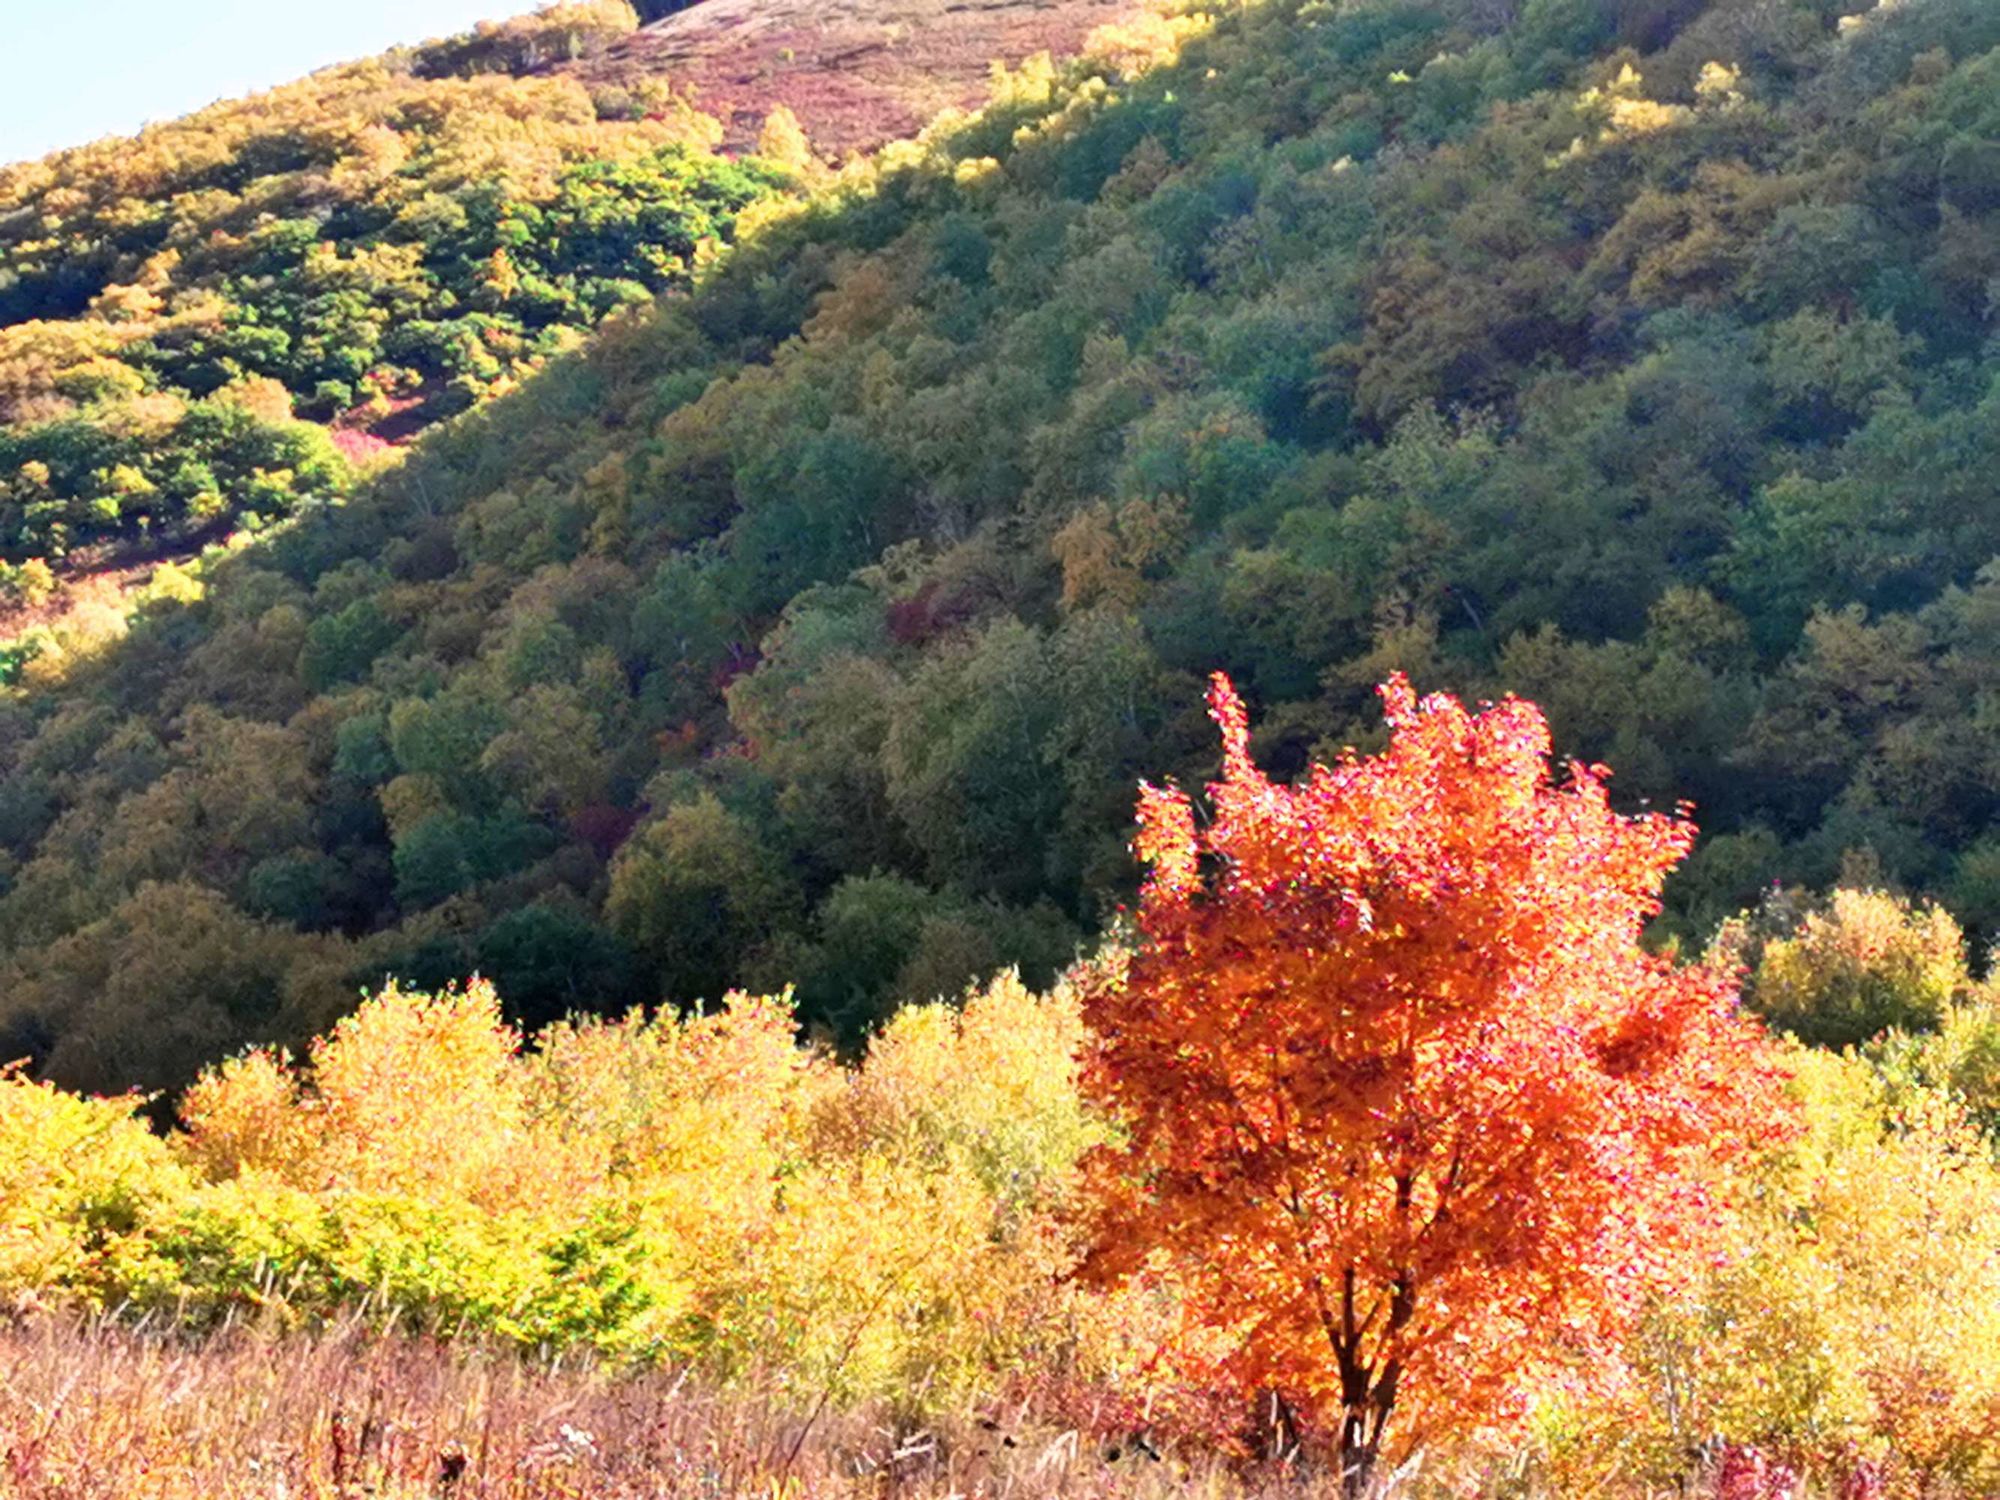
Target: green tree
{"points": [[694, 893]]}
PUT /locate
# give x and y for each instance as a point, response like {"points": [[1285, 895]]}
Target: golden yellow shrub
{"points": [[914, 1246], [660, 1187], [81, 1181], [243, 1116], [413, 1094]]}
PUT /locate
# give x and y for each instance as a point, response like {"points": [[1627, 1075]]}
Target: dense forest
{"points": [[815, 624]]}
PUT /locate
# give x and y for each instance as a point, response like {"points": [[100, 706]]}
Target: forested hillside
{"points": [[1635, 355], [374, 247]]}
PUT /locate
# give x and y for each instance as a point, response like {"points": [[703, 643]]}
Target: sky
{"points": [[80, 69]]}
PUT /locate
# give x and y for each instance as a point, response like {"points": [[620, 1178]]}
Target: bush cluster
{"points": [[658, 1190]]}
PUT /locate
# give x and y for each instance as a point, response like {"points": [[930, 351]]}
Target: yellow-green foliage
{"points": [[993, 1083], [1857, 1320], [912, 1248], [79, 1181], [1870, 961], [30, 584], [699, 1188], [1962, 1057]]}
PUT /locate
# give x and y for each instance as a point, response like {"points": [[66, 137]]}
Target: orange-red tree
{"points": [[1407, 1105]]}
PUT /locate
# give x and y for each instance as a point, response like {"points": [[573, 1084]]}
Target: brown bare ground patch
{"points": [[857, 73]]}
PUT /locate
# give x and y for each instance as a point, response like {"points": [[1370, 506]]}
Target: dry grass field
{"points": [[98, 1411]]}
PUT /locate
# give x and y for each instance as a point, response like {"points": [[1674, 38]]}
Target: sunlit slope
{"points": [[381, 245]]}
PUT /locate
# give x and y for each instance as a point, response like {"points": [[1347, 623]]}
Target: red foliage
{"points": [[357, 445], [1747, 1473], [1409, 1107], [603, 826], [909, 621]]}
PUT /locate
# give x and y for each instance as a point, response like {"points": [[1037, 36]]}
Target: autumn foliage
{"points": [[1388, 1121], [1408, 1105], [698, 1189]]}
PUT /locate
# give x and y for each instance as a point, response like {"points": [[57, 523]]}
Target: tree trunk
{"points": [[1273, 1429], [1361, 1431], [1357, 1460], [1360, 1437]]}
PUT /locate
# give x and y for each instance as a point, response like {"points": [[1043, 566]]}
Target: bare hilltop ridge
{"points": [[857, 73]]}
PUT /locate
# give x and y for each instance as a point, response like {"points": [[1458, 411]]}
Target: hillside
{"points": [[370, 249], [814, 625], [234, 315]]}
